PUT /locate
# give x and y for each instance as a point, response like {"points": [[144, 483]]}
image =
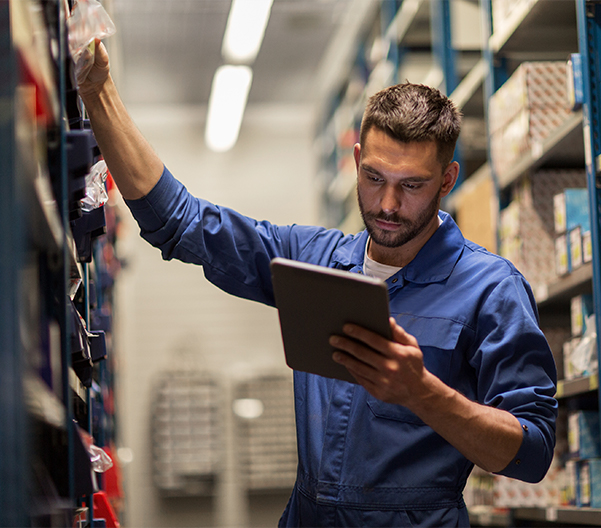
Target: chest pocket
{"points": [[438, 339]]}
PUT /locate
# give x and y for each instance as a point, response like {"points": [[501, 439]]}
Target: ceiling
{"points": [[166, 51]]}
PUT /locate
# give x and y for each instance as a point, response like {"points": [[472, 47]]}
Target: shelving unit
{"points": [[405, 48], [56, 298]]}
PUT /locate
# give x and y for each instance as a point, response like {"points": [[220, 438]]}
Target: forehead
{"points": [[380, 148]]}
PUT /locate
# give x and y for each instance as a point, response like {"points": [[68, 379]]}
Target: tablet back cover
{"points": [[314, 302]]}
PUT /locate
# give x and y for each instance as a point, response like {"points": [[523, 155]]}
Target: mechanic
{"points": [[468, 377]]}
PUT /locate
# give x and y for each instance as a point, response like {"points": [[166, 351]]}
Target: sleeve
{"points": [[517, 373], [234, 250]]}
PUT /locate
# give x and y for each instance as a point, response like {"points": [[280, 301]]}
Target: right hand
{"points": [[98, 74]]}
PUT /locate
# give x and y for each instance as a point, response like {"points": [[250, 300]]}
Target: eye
{"points": [[412, 186], [374, 177]]}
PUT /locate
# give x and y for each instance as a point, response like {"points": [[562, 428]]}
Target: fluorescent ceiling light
{"points": [[227, 102], [245, 29]]}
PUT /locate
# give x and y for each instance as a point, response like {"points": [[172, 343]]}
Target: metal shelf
{"points": [[565, 147], [544, 27], [564, 288], [567, 515], [575, 387]]}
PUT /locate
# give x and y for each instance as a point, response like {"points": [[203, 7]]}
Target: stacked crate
{"points": [[526, 110], [267, 439], [527, 224], [573, 245], [186, 433]]}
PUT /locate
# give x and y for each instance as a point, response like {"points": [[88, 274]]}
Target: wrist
{"points": [[93, 95]]}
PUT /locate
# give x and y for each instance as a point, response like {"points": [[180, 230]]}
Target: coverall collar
{"points": [[434, 262]]}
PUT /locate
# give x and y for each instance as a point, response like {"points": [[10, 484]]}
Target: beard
{"points": [[407, 229]]}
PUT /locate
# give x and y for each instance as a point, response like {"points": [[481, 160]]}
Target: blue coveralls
{"points": [[363, 462]]}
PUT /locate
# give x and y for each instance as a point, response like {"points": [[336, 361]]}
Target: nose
{"points": [[390, 202]]}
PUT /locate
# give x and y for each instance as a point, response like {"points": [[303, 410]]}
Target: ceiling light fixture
{"points": [[227, 102], [245, 30]]}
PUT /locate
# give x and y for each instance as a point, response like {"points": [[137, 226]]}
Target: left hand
{"points": [[392, 371]]}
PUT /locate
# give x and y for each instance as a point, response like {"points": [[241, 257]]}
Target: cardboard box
{"points": [[581, 307], [562, 256], [588, 490], [571, 210], [583, 434], [575, 248], [526, 110]]}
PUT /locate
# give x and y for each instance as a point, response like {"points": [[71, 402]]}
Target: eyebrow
{"points": [[415, 178]]}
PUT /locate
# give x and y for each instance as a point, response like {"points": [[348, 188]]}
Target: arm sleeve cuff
{"points": [[528, 464], [152, 210]]}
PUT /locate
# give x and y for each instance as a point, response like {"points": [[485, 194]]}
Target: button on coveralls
{"points": [[363, 462]]}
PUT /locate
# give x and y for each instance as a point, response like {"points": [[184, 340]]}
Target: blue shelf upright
{"points": [[589, 34], [13, 451]]}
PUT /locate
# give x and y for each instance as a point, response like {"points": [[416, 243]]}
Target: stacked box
{"points": [[572, 227], [581, 307], [583, 434], [527, 225], [571, 209], [580, 354], [570, 484], [588, 487], [526, 110], [511, 493]]}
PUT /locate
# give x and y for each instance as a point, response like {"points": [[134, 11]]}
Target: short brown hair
{"points": [[414, 112]]}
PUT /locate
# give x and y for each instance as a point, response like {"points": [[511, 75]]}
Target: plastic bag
{"points": [[88, 21], [96, 195], [99, 458]]}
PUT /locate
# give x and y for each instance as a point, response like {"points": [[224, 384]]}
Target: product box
{"points": [[570, 484], [571, 210], [562, 256], [526, 110], [576, 248], [587, 247], [527, 225], [569, 372], [580, 354], [581, 307], [583, 434], [588, 490]]}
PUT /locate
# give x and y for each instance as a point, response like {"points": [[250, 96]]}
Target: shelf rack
{"points": [[535, 30], [46, 390]]}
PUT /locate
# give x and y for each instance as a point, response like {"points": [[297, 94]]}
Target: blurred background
{"points": [[256, 105]]}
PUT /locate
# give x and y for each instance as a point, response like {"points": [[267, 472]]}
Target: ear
{"points": [[357, 154], [449, 179]]}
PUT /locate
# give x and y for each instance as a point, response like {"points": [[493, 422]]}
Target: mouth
{"points": [[387, 226]]}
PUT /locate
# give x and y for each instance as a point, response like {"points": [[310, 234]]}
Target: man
{"points": [[468, 377]]}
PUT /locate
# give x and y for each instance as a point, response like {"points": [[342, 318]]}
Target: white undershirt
{"points": [[371, 268]]}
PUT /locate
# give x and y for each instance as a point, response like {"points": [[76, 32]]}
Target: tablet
{"points": [[314, 302]]}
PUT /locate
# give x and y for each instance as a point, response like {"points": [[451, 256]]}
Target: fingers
{"points": [[102, 56], [400, 335]]}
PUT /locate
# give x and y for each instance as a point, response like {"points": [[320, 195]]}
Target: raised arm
{"points": [[134, 165]]}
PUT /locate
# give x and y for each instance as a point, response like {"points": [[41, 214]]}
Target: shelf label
{"points": [[588, 156], [551, 514]]}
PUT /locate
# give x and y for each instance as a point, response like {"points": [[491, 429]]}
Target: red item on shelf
{"points": [[104, 510]]}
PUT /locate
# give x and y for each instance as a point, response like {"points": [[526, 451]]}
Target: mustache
{"points": [[393, 218]]}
